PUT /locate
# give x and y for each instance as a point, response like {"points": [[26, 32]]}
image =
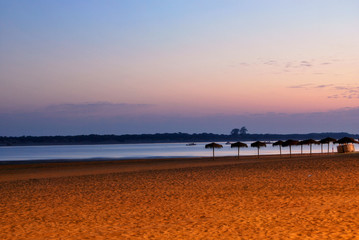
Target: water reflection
{"points": [[133, 151]]}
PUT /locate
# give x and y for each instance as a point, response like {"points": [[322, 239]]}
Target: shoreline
{"points": [[16, 155], [156, 158], [38, 169]]}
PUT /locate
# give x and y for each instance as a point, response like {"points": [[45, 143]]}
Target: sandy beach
{"points": [[271, 197]]}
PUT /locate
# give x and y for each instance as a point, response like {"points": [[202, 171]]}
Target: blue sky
{"points": [[204, 63]]}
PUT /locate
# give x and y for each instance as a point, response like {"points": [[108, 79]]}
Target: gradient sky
{"points": [[79, 67]]}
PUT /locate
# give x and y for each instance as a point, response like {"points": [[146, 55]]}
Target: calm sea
{"points": [[135, 151]]}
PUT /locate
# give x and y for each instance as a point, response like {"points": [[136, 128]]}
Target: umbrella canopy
{"points": [[309, 142], [327, 140], [258, 145], [279, 143], [346, 140], [290, 143], [213, 146], [238, 145]]}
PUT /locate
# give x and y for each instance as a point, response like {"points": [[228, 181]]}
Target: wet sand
{"points": [[272, 197]]}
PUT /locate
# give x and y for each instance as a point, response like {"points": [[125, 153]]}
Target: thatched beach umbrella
{"points": [[238, 145], [327, 140], [309, 142], [278, 143], [290, 143], [258, 145], [213, 146], [346, 140]]}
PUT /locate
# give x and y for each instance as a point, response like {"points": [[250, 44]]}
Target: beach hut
{"points": [[238, 145], [290, 143], [278, 143], [258, 145], [213, 146], [346, 144], [309, 142]]}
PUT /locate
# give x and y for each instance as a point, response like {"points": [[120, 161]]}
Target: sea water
{"points": [[139, 151]]}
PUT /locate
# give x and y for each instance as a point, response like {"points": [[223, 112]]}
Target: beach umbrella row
{"points": [[234, 145], [238, 145], [288, 143], [328, 140]]}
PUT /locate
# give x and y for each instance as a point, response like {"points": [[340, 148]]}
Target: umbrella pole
{"points": [[290, 151], [258, 152], [280, 150], [301, 149], [328, 147], [238, 152], [213, 153], [322, 147], [311, 149]]}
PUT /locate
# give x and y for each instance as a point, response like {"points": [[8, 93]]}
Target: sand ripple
{"points": [[303, 198]]}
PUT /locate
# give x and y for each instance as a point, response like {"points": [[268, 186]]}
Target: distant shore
{"points": [[159, 138]]}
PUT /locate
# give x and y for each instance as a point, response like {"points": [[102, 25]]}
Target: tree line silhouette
{"points": [[159, 138]]}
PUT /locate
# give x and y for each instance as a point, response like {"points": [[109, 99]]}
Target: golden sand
{"points": [[271, 198]]}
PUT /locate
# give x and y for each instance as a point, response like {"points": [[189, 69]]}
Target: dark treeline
{"points": [[160, 138]]}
